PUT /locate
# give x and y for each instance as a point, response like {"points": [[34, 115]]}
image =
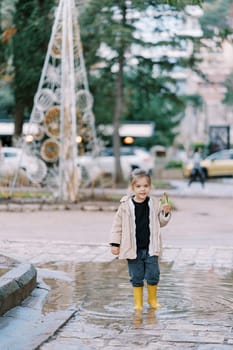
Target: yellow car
{"points": [[218, 164]]}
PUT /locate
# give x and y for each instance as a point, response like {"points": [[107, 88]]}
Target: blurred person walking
{"points": [[197, 173]]}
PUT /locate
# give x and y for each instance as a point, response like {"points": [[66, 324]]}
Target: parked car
{"points": [[104, 163], [13, 159], [95, 167], [218, 164], [137, 157]]}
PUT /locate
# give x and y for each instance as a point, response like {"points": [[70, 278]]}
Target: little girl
{"points": [[135, 236]]}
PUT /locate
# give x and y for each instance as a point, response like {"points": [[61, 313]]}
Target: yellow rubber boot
{"points": [[138, 298], [152, 296]]}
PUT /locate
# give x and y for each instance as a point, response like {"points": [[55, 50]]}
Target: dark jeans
{"points": [[197, 174], [144, 267]]}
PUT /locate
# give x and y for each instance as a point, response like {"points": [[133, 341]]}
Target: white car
{"points": [[104, 163], [136, 157], [93, 168], [13, 159]]}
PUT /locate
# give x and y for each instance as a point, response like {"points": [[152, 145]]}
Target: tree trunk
{"points": [[18, 118], [119, 179], [116, 124]]}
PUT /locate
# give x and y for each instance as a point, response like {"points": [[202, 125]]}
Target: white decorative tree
{"points": [[62, 100]]}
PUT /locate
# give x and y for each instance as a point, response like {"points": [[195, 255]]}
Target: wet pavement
{"points": [[84, 300], [196, 312], [84, 293]]}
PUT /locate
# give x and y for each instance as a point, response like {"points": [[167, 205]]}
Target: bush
{"points": [[174, 164]]}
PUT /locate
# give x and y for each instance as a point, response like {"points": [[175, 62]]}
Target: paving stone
{"points": [[170, 254], [14, 207], [165, 346], [205, 258], [224, 258], [214, 347], [31, 207], [3, 207], [198, 327], [193, 337]]}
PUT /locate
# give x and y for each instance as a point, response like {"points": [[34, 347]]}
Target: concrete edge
{"points": [[53, 324], [92, 205], [16, 285]]}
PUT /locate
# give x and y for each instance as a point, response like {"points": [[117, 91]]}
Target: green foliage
{"points": [[146, 96], [174, 164], [200, 145], [216, 22], [178, 3], [152, 99], [2, 58], [33, 20], [160, 184], [6, 97], [228, 99]]}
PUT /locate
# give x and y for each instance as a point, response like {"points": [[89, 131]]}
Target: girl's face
{"points": [[141, 189]]}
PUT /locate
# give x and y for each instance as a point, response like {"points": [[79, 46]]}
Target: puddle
{"points": [[6, 264], [3, 271], [103, 295]]}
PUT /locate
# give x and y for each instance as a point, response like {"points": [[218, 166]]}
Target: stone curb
{"points": [[21, 207], [16, 285], [88, 204]]}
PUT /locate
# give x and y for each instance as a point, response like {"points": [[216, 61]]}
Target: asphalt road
{"points": [[196, 222]]}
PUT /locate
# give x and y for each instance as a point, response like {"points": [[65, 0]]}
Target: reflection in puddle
{"points": [[6, 264], [103, 295], [3, 271]]}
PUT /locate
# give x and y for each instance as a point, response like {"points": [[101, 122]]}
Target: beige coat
{"points": [[123, 228]]}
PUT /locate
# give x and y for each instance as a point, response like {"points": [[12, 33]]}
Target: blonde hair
{"points": [[138, 174]]}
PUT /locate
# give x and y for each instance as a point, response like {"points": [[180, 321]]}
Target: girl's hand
{"points": [[115, 250], [165, 203], [166, 208]]}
